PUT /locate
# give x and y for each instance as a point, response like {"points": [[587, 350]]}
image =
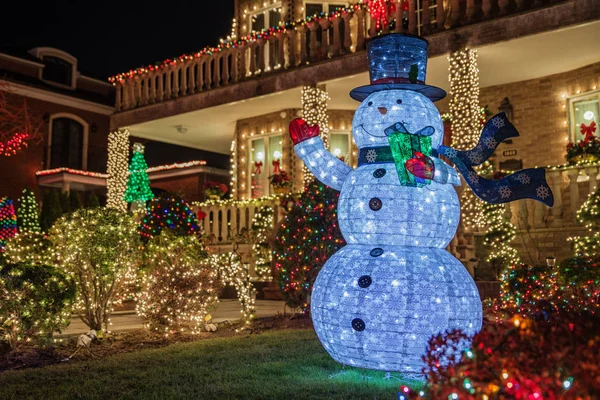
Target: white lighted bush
{"points": [[100, 249], [180, 287]]}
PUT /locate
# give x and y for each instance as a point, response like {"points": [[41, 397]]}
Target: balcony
{"points": [[342, 34]]}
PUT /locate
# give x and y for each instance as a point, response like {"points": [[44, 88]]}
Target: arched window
{"points": [[66, 143]]}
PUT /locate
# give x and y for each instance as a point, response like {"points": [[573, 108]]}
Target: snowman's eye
{"points": [[398, 101], [370, 103]]}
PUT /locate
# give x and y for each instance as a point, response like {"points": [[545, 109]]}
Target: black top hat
{"points": [[397, 61]]}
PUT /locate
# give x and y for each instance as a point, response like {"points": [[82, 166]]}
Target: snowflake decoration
{"points": [[371, 156], [473, 177], [542, 192], [475, 157], [490, 143], [498, 122], [524, 179], [505, 192], [450, 152]]}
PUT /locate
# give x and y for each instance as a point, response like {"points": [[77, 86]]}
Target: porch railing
{"points": [[224, 220], [290, 47], [571, 185]]}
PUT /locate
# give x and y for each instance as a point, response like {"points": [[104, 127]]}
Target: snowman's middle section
{"points": [[374, 208]]}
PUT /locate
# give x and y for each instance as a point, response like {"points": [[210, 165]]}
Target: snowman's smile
{"points": [[369, 133]]}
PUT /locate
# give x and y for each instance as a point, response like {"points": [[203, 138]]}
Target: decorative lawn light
{"points": [[378, 300]]}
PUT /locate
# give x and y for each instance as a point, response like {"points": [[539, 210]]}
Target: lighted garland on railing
{"points": [[233, 170], [235, 43]]}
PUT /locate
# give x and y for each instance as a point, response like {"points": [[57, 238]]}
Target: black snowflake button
{"points": [[358, 324], [375, 204], [379, 173], [365, 281], [376, 252]]}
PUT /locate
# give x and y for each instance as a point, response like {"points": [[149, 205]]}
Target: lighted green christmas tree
{"points": [[308, 236], [498, 238], [27, 213], [589, 215], [138, 183]]}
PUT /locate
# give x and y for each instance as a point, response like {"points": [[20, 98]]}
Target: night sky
{"points": [[110, 36]]}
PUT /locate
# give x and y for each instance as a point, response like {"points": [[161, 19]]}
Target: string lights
{"points": [[138, 183], [589, 216], [466, 122], [314, 112], [27, 213], [8, 221], [262, 227], [168, 212], [117, 167], [180, 288], [100, 249], [242, 41]]}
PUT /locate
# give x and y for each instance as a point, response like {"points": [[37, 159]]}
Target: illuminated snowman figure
{"points": [[379, 299]]}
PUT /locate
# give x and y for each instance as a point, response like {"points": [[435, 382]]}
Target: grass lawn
{"points": [[286, 364]]}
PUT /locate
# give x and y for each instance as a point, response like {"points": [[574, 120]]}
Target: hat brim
{"points": [[431, 92]]}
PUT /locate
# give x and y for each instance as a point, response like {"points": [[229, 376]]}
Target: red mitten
{"points": [[301, 131], [421, 166]]}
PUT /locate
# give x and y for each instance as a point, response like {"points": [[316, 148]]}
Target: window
{"points": [[583, 110], [66, 143], [57, 70], [266, 155], [432, 12], [266, 18], [340, 146]]}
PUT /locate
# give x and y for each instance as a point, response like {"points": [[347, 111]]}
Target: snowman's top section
{"points": [[397, 62]]}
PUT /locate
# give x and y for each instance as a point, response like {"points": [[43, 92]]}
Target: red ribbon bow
{"points": [[588, 131]]}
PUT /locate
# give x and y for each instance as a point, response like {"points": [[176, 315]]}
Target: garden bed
{"points": [[131, 341]]}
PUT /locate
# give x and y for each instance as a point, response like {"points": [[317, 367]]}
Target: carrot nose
{"points": [[382, 110]]}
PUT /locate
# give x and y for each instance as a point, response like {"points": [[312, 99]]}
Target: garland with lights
{"points": [[262, 227], [28, 218], [307, 237], [138, 183], [8, 221], [314, 112], [168, 212], [35, 301], [180, 288], [239, 42], [589, 215], [116, 168], [466, 122], [100, 249]]}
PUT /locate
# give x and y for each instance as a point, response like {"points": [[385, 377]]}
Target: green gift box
{"points": [[404, 145]]}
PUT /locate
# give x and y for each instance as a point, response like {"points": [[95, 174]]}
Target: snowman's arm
{"points": [[325, 166], [444, 173]]}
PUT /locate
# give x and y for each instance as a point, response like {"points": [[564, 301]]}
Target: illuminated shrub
{"points": [[100, 249], [35, 301], [32, 247], [180, 287]]}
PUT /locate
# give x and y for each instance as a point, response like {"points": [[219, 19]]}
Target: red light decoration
{"points": [[13, 145]]}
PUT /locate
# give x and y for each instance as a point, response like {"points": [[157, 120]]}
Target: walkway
{"points": [[226, 310]]}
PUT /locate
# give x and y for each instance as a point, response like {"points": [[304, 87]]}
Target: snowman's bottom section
{"points": [[376, 307]]}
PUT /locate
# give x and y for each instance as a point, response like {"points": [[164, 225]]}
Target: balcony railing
{"points": [[296, 45]]}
